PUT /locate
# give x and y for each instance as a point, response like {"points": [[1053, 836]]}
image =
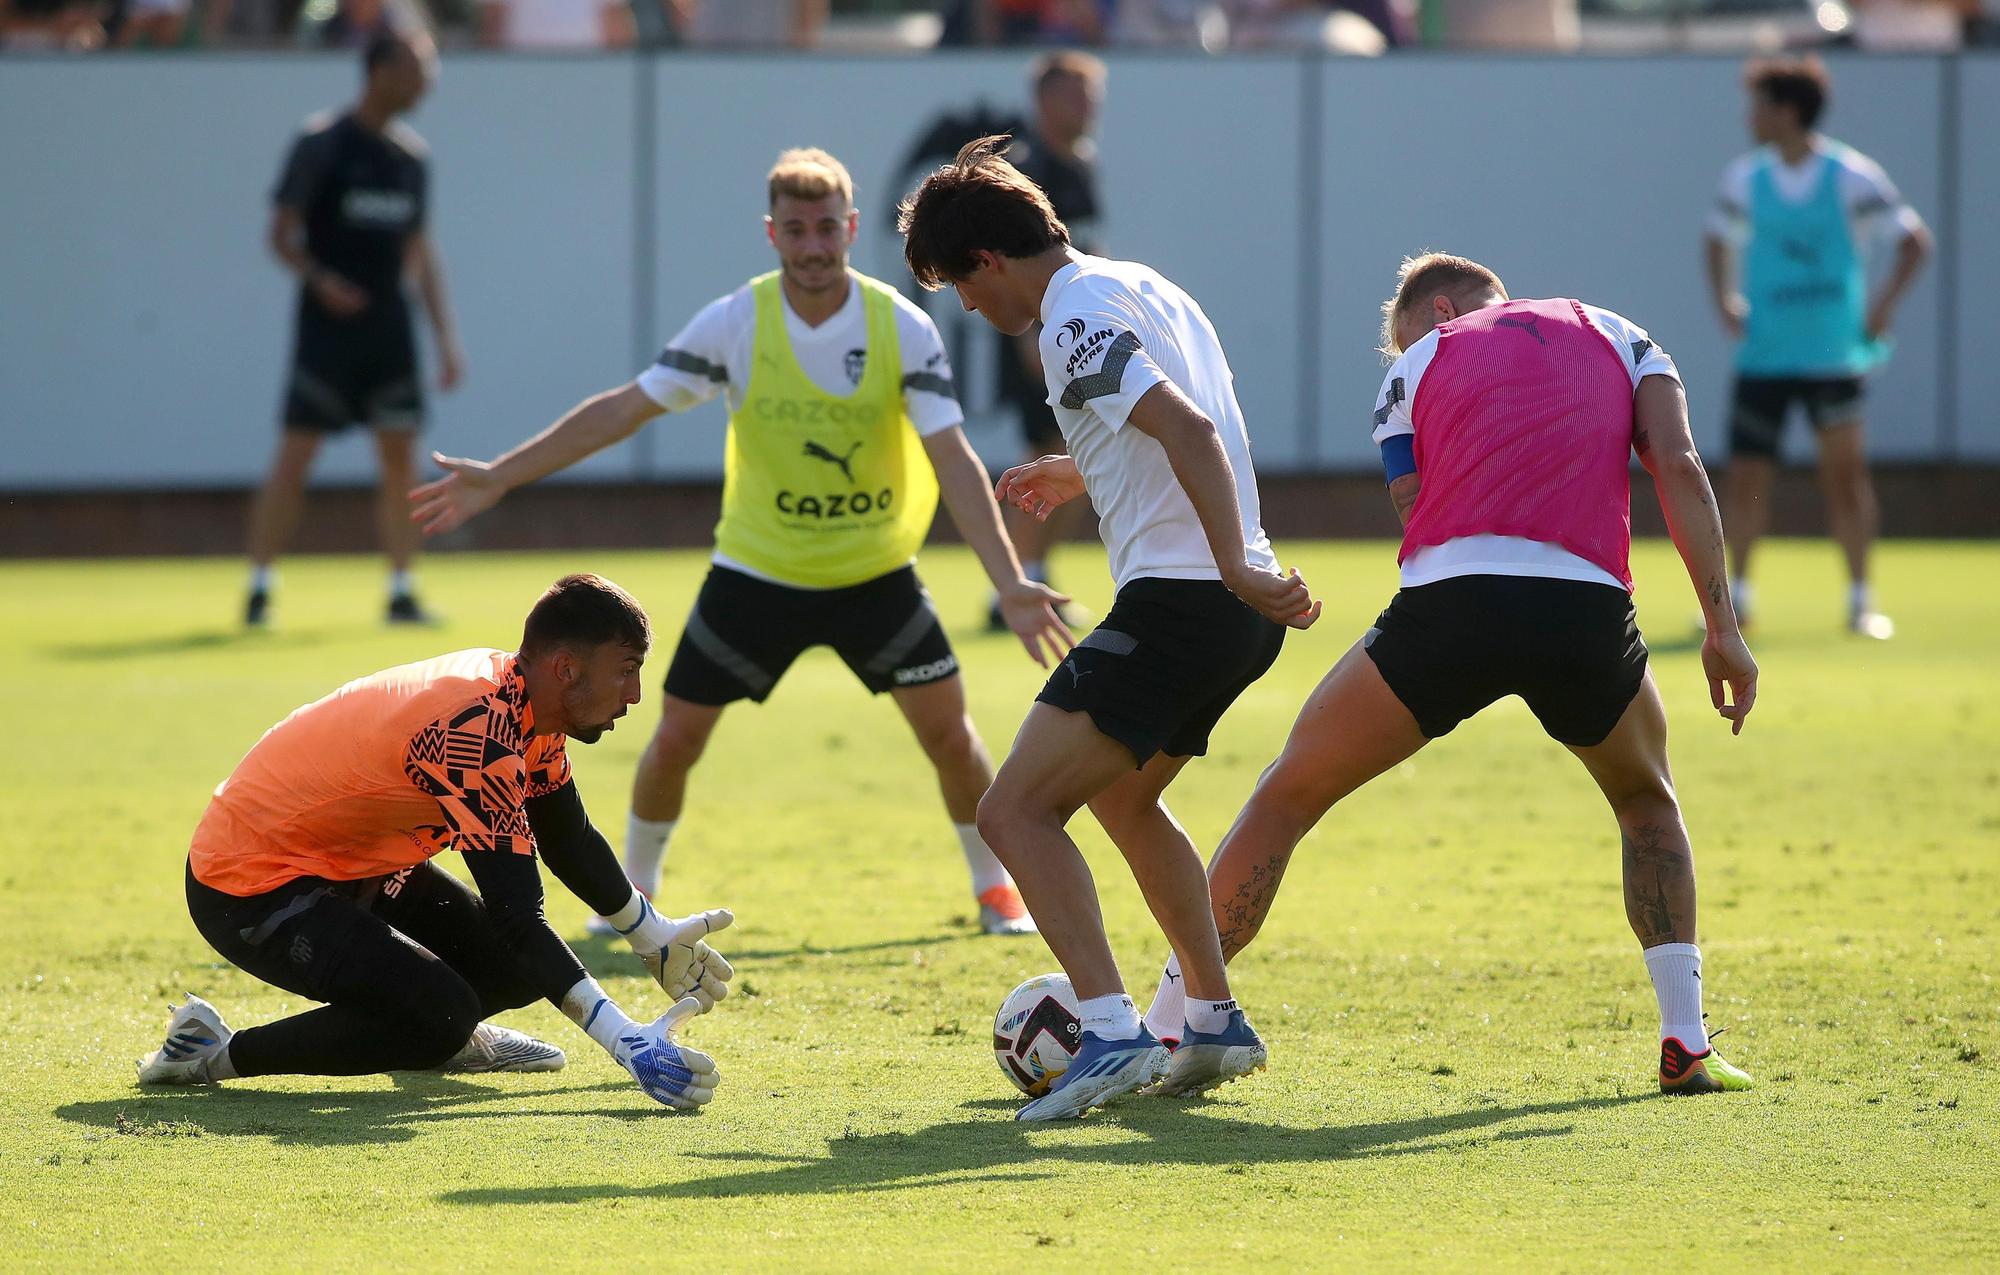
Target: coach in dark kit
{"points": [[349, 221]]}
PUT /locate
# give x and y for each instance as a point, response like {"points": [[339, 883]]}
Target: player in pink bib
{"points": [[1507, 429]]}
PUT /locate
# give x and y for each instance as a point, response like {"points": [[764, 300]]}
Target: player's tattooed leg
{"points": [[1659, 883]]}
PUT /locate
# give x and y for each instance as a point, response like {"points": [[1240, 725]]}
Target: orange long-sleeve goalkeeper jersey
{"points": [[382, 774]]}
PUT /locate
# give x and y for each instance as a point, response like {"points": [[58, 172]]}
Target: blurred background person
{"points": [[750, 23], [1799, 216], [153, 24], [556, 24], [1334, 26], [349, 221], [32, 26]]}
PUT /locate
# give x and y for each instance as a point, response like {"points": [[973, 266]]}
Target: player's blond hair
{"points": [[807, 172], [1430, 274]]}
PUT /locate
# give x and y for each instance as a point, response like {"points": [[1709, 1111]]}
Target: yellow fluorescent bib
{"points": [[820, 490]]}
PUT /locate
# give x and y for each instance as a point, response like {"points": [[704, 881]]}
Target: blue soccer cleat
{"points": [[1102, 1070], [1204, 1060]]}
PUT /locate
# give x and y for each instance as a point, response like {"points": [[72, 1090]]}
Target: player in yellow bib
{"points": [[843, 434]]}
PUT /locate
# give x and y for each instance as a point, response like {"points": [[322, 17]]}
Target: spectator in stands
{"points": [[356, 24], [154, 24], [249, 23], [1335, 26], [36, 25], [749, 23], [556, 24], [1912, 26]]}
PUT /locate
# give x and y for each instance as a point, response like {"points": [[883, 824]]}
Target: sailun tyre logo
{"points": [[1070, 332]]}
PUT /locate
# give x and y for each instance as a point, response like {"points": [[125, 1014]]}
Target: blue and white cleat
{"points": [[496, 1048], [1204, 1060], [1102, 1070], [196, 1036]]}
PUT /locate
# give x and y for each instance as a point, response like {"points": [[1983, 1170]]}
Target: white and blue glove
{"points": [[678, 958], [670, 1073]]}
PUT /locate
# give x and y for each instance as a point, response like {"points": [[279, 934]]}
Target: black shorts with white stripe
{"points": [[743, 633]]}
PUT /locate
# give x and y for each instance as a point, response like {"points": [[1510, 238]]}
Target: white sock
{"points": [[589, 1008], [221, 1067], [1208, 1016], [1859, 598], [402, 583], [262, 578], [645, 845], [1168, 1014], [1741, 595], [987, 871], [1112, 1017], [1676, 971]]}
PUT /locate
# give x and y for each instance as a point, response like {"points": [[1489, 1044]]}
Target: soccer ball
{"points": [[1037, 1032]]}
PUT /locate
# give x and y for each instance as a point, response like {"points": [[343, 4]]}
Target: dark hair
{"points": [[382, 46], [1800, 83], [585, 610], [1065, 64], [978, 201]]}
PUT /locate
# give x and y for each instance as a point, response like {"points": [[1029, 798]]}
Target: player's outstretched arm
{"points": [[511, 888], [674, 950], [471, 487], [1028, 607], [1665, 443], [1195, 451]]}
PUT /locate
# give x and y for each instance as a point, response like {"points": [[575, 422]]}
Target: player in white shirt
{"points": [[1145, 399], [844, 432], [1788, 254]]}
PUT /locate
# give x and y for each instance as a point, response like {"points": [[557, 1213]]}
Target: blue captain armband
{"points": [[1399, 456]]}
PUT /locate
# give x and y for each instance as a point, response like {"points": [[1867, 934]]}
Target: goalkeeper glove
{"points": [[676, 955], [670, 1073]]}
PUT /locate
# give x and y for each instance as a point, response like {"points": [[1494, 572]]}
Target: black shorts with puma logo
{"points": [[1162, 668]]}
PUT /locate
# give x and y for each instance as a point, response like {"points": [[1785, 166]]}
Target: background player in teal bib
{"points": [[1788, 250]]}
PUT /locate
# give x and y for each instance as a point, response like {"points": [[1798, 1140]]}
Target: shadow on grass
{"points": [[199, 640], [991, 1149], [332, 1119]]}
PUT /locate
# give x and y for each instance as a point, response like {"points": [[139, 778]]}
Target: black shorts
{"points": [[1161, 669], [743, 633], [1570, 648], [359, 370], [1761, 403], [416, 933]]}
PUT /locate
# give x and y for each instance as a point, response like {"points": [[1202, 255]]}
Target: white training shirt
{"points": [[1506, 555], [1111, 330], [1874, 206], [712, 355]]}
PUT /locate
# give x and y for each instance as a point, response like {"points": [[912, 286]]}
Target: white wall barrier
{"points": [[587, 206]]}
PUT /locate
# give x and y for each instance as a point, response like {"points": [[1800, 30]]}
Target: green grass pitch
{"points": [[1461, 1027]]}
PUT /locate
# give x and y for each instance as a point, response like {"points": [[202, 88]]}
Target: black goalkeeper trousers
{"points": [[405, 966]]}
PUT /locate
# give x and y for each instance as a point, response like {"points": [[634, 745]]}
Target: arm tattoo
{"points": [[1714, 591]]}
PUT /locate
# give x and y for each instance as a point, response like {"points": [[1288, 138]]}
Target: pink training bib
{"points": [[1524, 428]]}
